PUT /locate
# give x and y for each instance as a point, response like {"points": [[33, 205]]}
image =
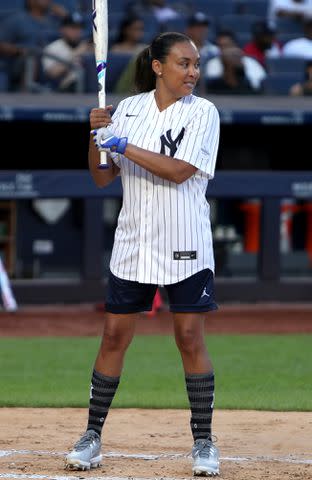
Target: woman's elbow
{"points": [[179, 178], [183, 173], [100, 181]]}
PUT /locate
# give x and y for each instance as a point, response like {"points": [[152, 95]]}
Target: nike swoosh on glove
{"points": [[105, 140]]}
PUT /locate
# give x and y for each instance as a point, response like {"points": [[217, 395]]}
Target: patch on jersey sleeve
{"points": [[190, 255]]}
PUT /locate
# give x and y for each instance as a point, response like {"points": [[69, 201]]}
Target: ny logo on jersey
{"points": [[167, 141]]}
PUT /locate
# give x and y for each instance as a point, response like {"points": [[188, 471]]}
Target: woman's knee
{"points": [[116, 337], [188, 340]]}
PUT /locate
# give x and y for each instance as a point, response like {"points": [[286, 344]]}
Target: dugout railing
{"points": [[267, 285]]}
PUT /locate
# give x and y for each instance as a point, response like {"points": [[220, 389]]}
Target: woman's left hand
{"points": [[100, 117], [105, 140]]}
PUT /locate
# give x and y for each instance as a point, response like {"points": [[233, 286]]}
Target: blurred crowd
{"points": [[247, 46]]}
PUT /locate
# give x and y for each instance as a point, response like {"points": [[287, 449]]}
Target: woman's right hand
{"points": [[100, 117]]}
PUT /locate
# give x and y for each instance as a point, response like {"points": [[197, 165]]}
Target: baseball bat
{"points": [[100, 40]]}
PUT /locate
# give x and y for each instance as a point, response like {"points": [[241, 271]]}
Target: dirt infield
{"points": [[144, 444], [253, 445], [87, 320]]}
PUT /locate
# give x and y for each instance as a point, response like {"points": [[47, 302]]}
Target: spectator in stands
{"points": [[129, 41], [61, 58], [297, 10], [129, 38], [158, 8], [263, 43], [197, 29], [304, 88], [25, 31], [302, 46], [232, 72]]}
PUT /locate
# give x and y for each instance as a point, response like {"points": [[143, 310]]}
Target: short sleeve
{"points": [[200, 142]]}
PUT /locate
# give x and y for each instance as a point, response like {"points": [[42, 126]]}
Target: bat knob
{"points": [[103, 166]]}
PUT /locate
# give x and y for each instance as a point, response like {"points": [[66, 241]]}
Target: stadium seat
{"points": [[176, 25], [286, 25], [238, 23], [116, 63], [285, 65], [88, 63], [11, 4], [115, 19], [286, 37], [150, 32], [4, 81], [117, 5], [214, 8], [6, 13], [280, 83], [242, 38], [252, 7], [70, 5], [9, 7]]}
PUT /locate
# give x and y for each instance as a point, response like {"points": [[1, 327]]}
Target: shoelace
{"points": [[85, 440], [203, 448]]}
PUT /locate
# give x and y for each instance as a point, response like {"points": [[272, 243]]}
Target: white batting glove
{"points": [[105, 140]]}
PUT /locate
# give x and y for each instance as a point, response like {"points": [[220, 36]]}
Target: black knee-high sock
{"points": [[200, 390], [102, 391]]}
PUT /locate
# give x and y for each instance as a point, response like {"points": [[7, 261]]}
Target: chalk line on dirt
{"points": [[255, 458], [61, 477]]}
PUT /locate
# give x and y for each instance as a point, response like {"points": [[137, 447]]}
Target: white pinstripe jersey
{"points": [[163, 234]]}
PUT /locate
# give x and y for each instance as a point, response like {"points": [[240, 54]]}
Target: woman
{"points": [[163, 142], [129, 41], [130, 36]]}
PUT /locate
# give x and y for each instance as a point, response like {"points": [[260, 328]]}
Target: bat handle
{"points": [[103, 165], [101, 68]]}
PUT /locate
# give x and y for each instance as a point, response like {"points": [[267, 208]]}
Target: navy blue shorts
{"points": [[194, 294]]}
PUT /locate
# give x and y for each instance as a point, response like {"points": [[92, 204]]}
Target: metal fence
{"points": [[268, 284]]}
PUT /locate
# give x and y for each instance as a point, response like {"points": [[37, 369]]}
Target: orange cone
{"points": [[252, 209], [157, 304]]}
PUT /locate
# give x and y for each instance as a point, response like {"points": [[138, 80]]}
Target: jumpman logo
{"points": [[205, 294]]}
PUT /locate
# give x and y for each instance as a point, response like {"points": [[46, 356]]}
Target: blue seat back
{"points": [[238, 23], [280, 83], [286, 65], [4, 81], [253, 7], [116, 64], [214, 8]]}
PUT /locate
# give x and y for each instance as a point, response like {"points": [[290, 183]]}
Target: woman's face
{"points": [[180, 72]]}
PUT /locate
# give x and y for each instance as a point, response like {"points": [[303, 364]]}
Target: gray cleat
{"points": [[86, 453], [206, 458]]}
